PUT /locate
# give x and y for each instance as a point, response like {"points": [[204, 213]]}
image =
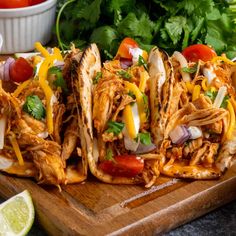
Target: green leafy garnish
{"points": [[59, 82], [225, 102], [131, 94], [190, 70], [115, 127], [97, 77], [142, 62], [109, 155], [124, 74], [145, 101], [211, 94], [34, 107], [145, 138], [172, 25]]}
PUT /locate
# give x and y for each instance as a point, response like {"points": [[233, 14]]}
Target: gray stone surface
{"points": [[220, 222]]}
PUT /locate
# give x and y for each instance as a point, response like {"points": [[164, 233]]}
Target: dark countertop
{"points": [[221, 221]]}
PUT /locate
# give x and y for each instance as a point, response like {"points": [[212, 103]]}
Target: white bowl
{"points": [[22, 27]]}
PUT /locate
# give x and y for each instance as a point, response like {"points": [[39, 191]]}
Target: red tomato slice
{"points": [[14, 3], [123, 166], [21, 70], [199, 51], [123, 50]]}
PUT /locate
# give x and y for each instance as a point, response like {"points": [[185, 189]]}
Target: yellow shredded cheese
{"points": [[57, 53], [189, 86], [224, 59], [21, 87], [145, 55], [129, 121], [143, 81], [139, 98], [233, 102], [43, 70], [41, 49], [232, 120], [196, 92], [16, 149], [37, 60], [204, 84]]}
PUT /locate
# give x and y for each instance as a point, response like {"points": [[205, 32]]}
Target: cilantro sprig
{"points": [[124, 74], [34, 107], [145, 138], [115, 127], [177, 24]]}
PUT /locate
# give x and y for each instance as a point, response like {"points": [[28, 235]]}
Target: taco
{"points": [[40, 123], [196, 115], [119, 137]]}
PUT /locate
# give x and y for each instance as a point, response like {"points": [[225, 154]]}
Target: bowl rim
{"points": [[26, 11]]}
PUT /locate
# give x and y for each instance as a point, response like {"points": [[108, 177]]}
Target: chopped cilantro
{"points": [[145, 138], [109, 155], [142, 62], [131, 94], [115, 127], [34, 107], [59, 82], [225, 102], [211, 94], [190, 70], [124, 74], [97, 77]]}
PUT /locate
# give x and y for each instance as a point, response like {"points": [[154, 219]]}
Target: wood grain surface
{"points": [[95, 208]]}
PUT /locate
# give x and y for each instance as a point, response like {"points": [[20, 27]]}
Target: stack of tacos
{"points": [[136, 117]]}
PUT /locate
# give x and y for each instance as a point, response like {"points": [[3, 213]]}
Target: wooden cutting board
{"points": [[95, 208]]}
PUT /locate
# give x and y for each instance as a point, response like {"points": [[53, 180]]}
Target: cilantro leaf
{"points": [[142, 62], [34, 107], [97, 77], [145, 138], [225, 102], [59, 82], [124, 74], [190, 70], [109, 155], [115, 127], [211, 94]]}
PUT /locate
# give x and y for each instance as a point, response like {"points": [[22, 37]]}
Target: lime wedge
{"points": [[16, 215]]}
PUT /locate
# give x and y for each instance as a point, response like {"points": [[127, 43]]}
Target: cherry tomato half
{"points": [[123, 50], [14, 3], [123, 166], [21, 70], [34, 2], [199, 51]]}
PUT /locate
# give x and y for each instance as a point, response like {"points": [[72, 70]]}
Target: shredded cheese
{"points": [[145, 55], [232, 120], [143, 81], [16, 149], [129, 121], [57, 53], [21, 87], [196, 92], [47, 63], [204, 84], [189, 86], [224, 59], [41, 49], [139, 98]]}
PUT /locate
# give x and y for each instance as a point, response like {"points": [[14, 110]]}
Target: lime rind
{"points": [[17, 215]]}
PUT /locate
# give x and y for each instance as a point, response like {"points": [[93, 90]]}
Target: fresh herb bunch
{"points": [[172, 25]]}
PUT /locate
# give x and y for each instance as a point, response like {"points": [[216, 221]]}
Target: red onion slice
{"points": [[179, 134], [145, 148], [7, 66], [125, 63], [59, 64]]}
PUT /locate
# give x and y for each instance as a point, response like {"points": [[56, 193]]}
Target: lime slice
{"points": [[16, 215]]}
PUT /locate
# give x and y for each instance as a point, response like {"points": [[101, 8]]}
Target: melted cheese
{"points": [[129, 121], [196, 92], [143, 81]]}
